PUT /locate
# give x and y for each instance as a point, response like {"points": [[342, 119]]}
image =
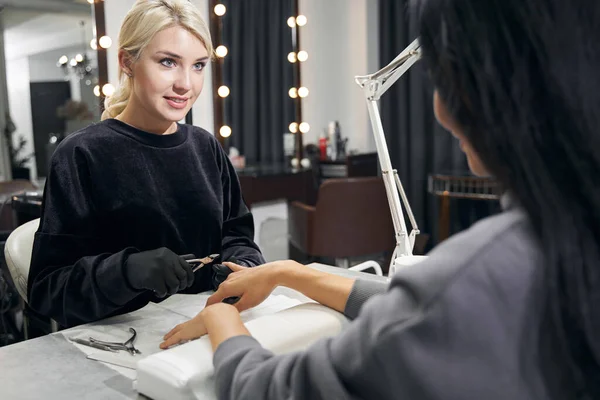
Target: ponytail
{"points": [[115, 104]]}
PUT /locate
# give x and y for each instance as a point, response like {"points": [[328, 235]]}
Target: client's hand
{"points": [[252, 285], [221, 321], [192, 329]]}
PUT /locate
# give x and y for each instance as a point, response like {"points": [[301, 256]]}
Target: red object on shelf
{"points": [[323, 148]]}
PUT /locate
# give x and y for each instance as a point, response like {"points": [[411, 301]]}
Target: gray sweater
{"points": [[449, 328]]}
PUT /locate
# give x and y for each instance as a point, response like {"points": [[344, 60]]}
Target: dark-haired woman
{"points": [[507, 310]]}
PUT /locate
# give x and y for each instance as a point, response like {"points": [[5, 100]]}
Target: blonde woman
{"points": [[127, 196]]}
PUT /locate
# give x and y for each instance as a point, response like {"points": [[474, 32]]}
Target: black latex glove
{"points": [[160, 270], [220, 273]]}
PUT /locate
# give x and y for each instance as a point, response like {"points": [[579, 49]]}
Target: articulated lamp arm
{"points": [[374, 86]]}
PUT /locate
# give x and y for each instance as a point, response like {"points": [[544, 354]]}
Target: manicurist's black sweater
{"points": [[114, 190]]}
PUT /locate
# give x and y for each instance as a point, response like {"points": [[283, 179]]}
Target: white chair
{"points": [[17, 252]]}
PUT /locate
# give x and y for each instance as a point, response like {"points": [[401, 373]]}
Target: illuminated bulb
{"points": [[293, 127], [302, 56], [91, 1], [79, 58], [291, 22], [292, 57], [301, 20], [293, 92], [108, 90], [93, 44], [225, 131], [97, 91], [304, 127], [221, 51], [105, 42], [223, 91], [303, 92], [220, 10], [73, 62], [63, 60]]}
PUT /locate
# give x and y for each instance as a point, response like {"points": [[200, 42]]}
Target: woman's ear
{"points": [[441, 113], [126, 63]]}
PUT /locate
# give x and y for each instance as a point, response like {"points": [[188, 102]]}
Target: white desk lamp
{"points": [[374, 86]]}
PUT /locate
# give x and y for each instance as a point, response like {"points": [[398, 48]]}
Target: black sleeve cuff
{"points": [[112, 280]]}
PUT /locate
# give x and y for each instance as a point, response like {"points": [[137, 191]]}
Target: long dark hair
{"points": [[522, 77]]}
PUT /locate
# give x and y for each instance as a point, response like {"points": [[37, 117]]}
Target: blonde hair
{"points": [[145, 19]]}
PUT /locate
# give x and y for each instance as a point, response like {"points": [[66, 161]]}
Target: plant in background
{"points": [[15, 151], [74, 110]]}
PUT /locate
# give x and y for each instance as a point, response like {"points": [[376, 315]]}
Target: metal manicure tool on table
{"points": [[128, 345]]}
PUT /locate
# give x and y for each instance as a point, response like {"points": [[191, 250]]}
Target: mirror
{"points": [[298, 54], [52, 78]]}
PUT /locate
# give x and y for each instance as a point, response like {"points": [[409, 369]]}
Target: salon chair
{"points": [[17, 252], [350, 220]]}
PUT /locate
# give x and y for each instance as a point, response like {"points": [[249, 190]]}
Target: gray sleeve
{"points": [[411, 342], [355, 364], [362, 291]]}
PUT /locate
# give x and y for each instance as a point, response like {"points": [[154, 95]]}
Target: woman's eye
{"points": [[199, 66], [167, 62]]}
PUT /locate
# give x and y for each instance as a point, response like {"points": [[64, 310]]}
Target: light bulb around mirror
{"points": [[291, 22], [301, 20], [220, 10], [303, 92], [105, 42], [302, 56], [221, 51], [108, 90], [63, 60], [293, 127], [94, 44], [79, 58], [97, 91], [293, 93], [225, 131], [91, 1], [304, 127], [292, 57], [223, 91], [73, 62]]}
